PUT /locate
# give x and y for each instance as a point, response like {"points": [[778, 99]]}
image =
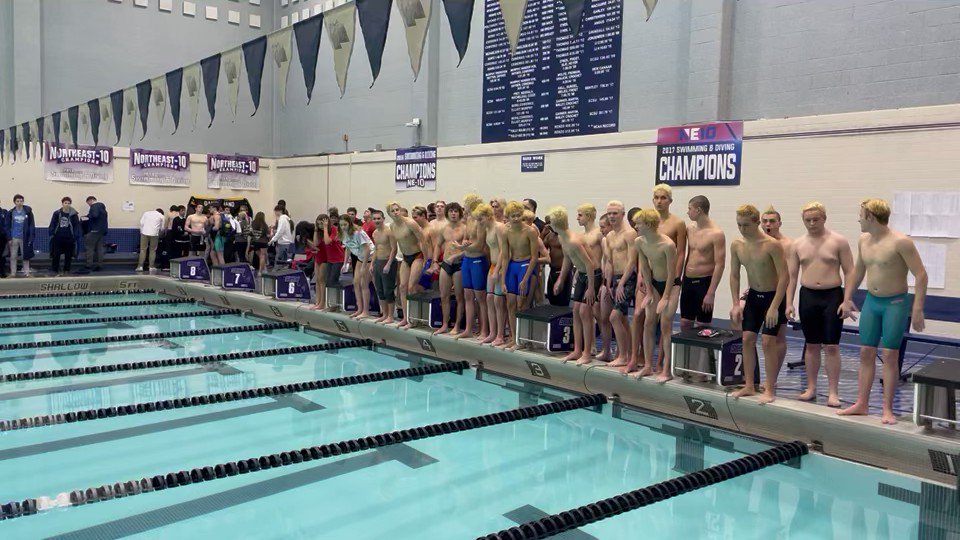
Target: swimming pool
{"points": [[456, 485]]}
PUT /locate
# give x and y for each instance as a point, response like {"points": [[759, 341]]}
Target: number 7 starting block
{"points": [[237, 276]]}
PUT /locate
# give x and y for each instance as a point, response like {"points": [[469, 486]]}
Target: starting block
{"points": [[342, 296], [719, 358], [286, 285], [189, 269], [425, 307], [550, 327], [235, 276]]}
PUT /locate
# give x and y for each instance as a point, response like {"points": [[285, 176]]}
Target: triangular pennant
{"points": [[174, 88], [144, 90], [93, 108], [191, 83], [55, 126], [231, 72], [341, 25], [650, 5], [49, 131], [13, 144], [459, 15], [374, 21], [106, 117], [25, 133], [254, 53], [129, 114], [65, 132], [416, 22], [116, 108], [41, 131], [3, 146], [281, 51], [512, 11], [308, 47], [35, 137], [158, 92], [210, 66], [73, 123], [84, 122], [574, 14]]}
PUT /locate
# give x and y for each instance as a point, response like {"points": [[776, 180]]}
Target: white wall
{"points": [[785, 170]]}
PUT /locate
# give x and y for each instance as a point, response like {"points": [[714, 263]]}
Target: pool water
{"points": [[458, 485]]}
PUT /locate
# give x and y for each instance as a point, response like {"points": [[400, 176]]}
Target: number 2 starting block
{"points": [[189, 269], [696, 354], [286, 285], [234, 276]]}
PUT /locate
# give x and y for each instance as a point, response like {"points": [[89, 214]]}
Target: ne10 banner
{"points": [[159, 168], [233, 172], [700, 155], [84, 164], [416, 169]]}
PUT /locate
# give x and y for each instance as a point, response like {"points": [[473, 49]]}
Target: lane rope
{"points": [[77, 293], [89, 305], [124, 318]]}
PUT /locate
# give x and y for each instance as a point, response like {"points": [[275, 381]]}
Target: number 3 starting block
{"points": [[286, 285]]}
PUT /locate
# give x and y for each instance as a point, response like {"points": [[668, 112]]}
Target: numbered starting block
{"points": [[719, 358], [189, 269], [343, 297], [425, 308], [550, 327], [286, 285], [234, 276]]}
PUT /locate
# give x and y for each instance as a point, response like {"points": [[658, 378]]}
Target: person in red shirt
{"points": [[329, 256], [368, 225]]}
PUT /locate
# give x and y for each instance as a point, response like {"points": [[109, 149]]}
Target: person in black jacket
{"points": [[64, 234], [4, 236], [96, 221]]}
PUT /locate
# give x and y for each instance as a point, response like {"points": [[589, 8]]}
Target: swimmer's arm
{"points": [[533, 241], [793, 267], [783, 278], [605, 261], [734, 275], [859, 272], [543, 255], [564, 272], [436, 251], [847, 265], [646, 274], [585, 256], [680, 251], [393, 251], [672, 269], [908, 250], [719, 262]]}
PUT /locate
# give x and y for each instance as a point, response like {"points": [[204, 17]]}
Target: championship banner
{"points": [[233, 202], [84, 164], [700, 155], [233, 172], [158, 168], [416, 169]]}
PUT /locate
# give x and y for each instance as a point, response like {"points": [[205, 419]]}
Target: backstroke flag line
{"points": [[374, 22], [281, 51], [254, 53], [55, 127], [513, 11], [416, 21], [308, 47], [341, 25], [459, 14]]}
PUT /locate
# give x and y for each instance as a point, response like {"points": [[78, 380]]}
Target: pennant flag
{"points": [[416, 22], [73, 122], [3, 146], [374, 21], [191, 83], [13, 144], [106, 116], [513, 11], [210, 66], [144, 89], [231, 70], [341, 25], [308, 47], [253, 54], [129, 114], [574, 14], [174, 87], [35, 137], [281, 50], [158, 90], [49, 132], [65, 131], [25, 131], [649, 5], [41, 134], [84, 119], [56, 127], [93, 108], [116, 108], [459, 14]]}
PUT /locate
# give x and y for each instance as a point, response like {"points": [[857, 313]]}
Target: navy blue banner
{"points": [[210, 67], [253, 54], [174, 89], [25, 130], [144, 90], [56, 127], [459, 14], [558, 83], [94, 107], [116, 103], [308, 47], [73, 121], [374, 21]]}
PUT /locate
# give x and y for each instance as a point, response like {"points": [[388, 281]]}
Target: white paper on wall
{"points": [[930, 214], [934, 257]]}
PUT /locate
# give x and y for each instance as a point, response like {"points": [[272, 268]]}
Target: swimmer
{"points": [[620, 265], [587, 281], [476, 264], [412, 245], [765, 308], [594, 235], [706, 259], [518, 257], [884, 258], [496, 299], [823, 262], [384, 267], [448, 241], [770, 222]]}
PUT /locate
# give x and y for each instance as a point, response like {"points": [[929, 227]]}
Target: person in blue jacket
{"points": [[4, 237], [20, 225], [64, 235]]}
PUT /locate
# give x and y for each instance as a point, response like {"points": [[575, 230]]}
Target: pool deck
{"points": [[904, 447]]}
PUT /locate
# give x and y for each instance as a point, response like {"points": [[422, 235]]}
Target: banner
{"points": [[416, 169], [144, 91], [459, 15], [254, 53], [512, 12], [158, 168], [308, 48], [116, 110], [84, 164], [341, 23], [700, 155], [129, 115], [174, 90], [416, 21], [231, 72], [233, 172], [374, 21], [281, 50], [234, 203], [93, 113], [159, 92], [210, 68], [191, 83]]}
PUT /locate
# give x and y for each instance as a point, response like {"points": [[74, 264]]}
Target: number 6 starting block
{"points": [[189, 269], [286, 285]]}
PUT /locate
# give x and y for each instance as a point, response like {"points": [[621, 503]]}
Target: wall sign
{"points": [[233, 172], [158, 168], [416, 169], [532, 163], [700, 155], [83, 164]]}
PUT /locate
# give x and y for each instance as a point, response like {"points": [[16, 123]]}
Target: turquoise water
{"points": [[460, 485]]}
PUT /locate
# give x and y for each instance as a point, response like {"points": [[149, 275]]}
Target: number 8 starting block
{"points": [[189, 269], [286, 285]]}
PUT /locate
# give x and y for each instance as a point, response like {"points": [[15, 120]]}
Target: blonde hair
{"points": [[664, 188], [750, 211], [648, 217], [617, 204], [814, 206], [588, 210], [470, 202], [513, 207], [771, 210], [482, 210], [528, 217], [558, 218], [878, 208]]}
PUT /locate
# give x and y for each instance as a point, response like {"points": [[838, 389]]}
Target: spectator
{"points": [[4, 238], [352, 212], [228, 230], [259, 234], [64, 232], [283, 238], [150, 224], [20, 224], [216, 243], [241, 245], [531, 205], [96, 221], [368, 225], [179, 238]]}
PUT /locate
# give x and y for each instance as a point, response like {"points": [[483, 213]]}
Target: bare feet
{"points": [[643, 372], [857, 409], [604, 356], [888, 418], [363, 315], [442, 330], [585, 360], [810, 394], [663, 377], [388, 320], [404, 324], [743, 392], [631, 365], [316, 307], [466, 334], [497, 342], [507, 345], [766, 398], [619, 362], [572, 356], [833, 401]]}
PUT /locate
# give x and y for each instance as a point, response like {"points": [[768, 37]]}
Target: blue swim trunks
{"points": [[474, 273], [883, 320], [515, 272], [426, 280]]}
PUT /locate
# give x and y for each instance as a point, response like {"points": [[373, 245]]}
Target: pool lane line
{"points": [[631, 500], [187, 360], [224, 397], [123, 318], [60, 294], [130, 488], [156, 302], [144, 337]]}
